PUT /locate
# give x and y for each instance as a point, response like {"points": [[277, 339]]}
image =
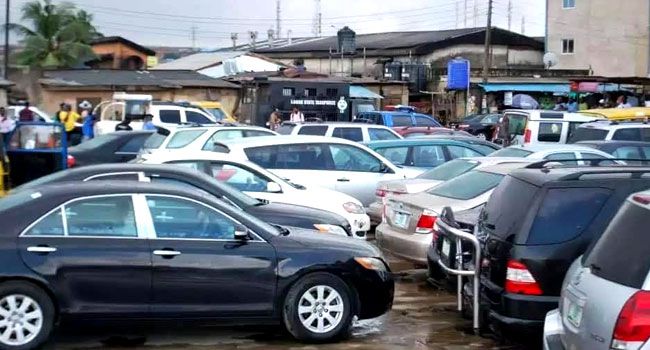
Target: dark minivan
{"points": [[535, 224]]}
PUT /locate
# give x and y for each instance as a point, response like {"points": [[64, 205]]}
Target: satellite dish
{"points": [[550, 59]]}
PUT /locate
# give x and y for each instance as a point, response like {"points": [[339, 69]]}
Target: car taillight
{"points": [[71, 161], [642, 199], [380, 193], [633, 325], [463, 126], [527, 136], [426, 222], [519, 280]]}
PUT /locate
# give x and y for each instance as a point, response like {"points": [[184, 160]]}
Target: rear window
{"points": [[96, 142], [396, 155], [285, 129], [511, 152], [402, 120], [621, 253], [549, 132], [352, 134], [196, 117], [425, 121], [565, 213], [449, 170], [318, 130], [627, 134], [588, 134], [170, 116], [156, 139], [468, 185], [184, 138], [511, 196], [381, 134], [374, 118]]}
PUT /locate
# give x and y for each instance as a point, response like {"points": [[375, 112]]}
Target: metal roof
{"points": [[107, 77], [199, 60]]}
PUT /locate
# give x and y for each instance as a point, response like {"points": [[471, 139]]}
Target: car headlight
{"points": [[353, 208], [333, 229], [371, 263]]}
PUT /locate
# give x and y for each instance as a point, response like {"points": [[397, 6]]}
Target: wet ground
{"points": [[422, 318]]}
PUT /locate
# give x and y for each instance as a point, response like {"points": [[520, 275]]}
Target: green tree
{"points": [[54, 35]]}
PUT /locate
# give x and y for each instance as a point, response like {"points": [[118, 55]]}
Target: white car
{"points": [[262, 184], [568, 154], [359, 132], [605, 130], [197, 138], [526, 127], [329, 162]]}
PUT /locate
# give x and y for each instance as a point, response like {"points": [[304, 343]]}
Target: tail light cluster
{"points": [[527, 135], [71, 161], [426, 222], [520, 281], [633, 325]]}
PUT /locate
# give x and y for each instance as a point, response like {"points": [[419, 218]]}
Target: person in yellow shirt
{"points": [[69, 118]]}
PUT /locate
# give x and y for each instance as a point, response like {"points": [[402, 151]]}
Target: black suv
{"points": [[535, 224]]}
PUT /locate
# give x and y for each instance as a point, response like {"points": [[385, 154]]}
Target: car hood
{"points": [[325, 241], [424, 200], [327, 195], [292, 215], [408, 185]]}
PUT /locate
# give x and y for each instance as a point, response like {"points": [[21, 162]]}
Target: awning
{"points": [[361, 92], [532, 87]]}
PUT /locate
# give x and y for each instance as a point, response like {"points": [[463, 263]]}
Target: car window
{"points": [[115, 177], [511, 196], [566, 156], [565, 213], [645, 134], [196, 117], [375, 118], [50, 225], [549, 132], [318, 130], [183, 138], [511, 152], [396, 155], [170, 116], [350, 158], [588, 134], [646, 152], [449, 170], [402, 120], [491, 119], [428, 156], [217, 113], [627, 134], [300, 156], [352, 134], [573, 126], [222, 135], [156, 139], [101, 217], [134, 144], [485, 149], [256, 133], [621, 253], [516, 124], [424, 121], [377, 134], [469, 185], [238, 177], [462, 152], [285, 129], [98, 142], [184, 219]]}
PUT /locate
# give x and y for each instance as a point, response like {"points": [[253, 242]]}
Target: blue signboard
{"points": [[458, 74]]}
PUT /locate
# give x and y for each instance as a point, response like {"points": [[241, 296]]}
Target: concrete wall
{"points": [[610, 37]]}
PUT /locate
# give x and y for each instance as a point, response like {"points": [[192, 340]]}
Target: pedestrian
{"points": [[560, 105], [124, 125], [296, 116], [69, 119], [621, 102], [275, 120], [583, 104], [26, 114], [148, 123], [7, 125], [572, 106], [88, 120], [57, 116]]}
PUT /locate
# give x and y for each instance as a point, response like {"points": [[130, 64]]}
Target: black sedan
{"points": [[481, 125], [127, 250], [115, 147], [277, 213]]}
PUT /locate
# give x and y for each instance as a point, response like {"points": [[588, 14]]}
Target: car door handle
{"points": [[343, 180], [166, 253], [41, 249]]}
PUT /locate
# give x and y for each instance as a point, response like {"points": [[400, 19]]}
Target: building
{"points": [[97, 85], [609, 38], [218, 64], [116, 52]]}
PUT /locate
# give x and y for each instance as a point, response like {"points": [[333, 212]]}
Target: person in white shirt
{"points": [[7, 125], [622, 102], [296, 116]]}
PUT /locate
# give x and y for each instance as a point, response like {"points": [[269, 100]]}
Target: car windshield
{"points": [[588, 134], [467, 186], [449, 170], [511, 152], [156, 139], [96, 142], [217, 113]]}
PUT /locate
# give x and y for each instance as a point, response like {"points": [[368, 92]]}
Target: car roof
{"points": [[179, 127], [487, 161], [536, 114], [539, 177], [339, 124], [283, 139], [607, 124], [542, 147], [613, 143], [413, 142], [503, 168]]}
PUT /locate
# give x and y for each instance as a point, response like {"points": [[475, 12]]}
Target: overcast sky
{"points": [[170, 22]]}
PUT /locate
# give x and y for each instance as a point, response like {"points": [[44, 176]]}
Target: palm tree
{"points": [[58, 36]]}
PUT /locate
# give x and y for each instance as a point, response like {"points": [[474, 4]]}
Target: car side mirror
{"points": [[273, 187], [383, 168], [241, 233]]}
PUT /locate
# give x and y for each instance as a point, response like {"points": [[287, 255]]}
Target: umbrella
{"points": [[524, 101]]}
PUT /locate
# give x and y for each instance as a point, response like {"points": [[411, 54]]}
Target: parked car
{"points": [[408, 225], [485, 145], [518, 127], [424, 154], [316, 161], [568, 154], [430, 179], [634, 150], [536, 223], [264, 185], [606, 130], [198, 137], [605, 295], [348, 131], [114, 147], [130, 251], [276, 213], [421, 131], [394, 119], [216, 110], [481, 125]]}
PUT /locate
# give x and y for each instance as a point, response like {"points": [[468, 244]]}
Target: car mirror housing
{"points": [[273, 187], [241, 233]]}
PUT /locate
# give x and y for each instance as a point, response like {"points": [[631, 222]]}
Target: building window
{"points": [[567, 46], [568, 4], [310, 92], [288, 91], [330, 92]]}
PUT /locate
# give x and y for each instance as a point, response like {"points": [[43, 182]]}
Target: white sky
{"points": [[170, 22]]}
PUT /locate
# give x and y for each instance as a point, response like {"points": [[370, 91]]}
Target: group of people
{"points": [[275, 119], [573, 105]]}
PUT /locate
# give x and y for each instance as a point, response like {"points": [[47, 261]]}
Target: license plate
{"points": [[401, 220], [446, 247], [574, 313]]}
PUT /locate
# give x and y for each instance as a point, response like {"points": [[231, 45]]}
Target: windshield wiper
{"points": [[282, 230], [262, 202], [594, 267]]}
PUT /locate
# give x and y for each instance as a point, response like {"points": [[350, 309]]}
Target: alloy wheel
{"points": [[21, 319], [320, 309]]}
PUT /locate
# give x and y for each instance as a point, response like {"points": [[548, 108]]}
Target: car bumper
{"points": [[553, 331], [408, 246], [376, 292], [376, 212], [360, 225]]}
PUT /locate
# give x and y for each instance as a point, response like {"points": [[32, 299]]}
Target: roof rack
{"points": [[593, 162]]}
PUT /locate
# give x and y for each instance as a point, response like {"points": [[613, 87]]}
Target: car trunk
{"points": [[403, 212]]}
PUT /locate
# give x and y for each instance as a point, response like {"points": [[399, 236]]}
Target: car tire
{"points": [[483, 136], [23, 303], [322, 323]]}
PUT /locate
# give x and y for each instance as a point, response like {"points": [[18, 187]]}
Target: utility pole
{"points": [[488, 38], [277, 19], [523, 24], [465, 21], [510, 15], [193, 36], [318, 20], [6, 63]]}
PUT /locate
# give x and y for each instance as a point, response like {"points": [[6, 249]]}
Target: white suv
{"points": [[608, 130], [357, 132], [535, 126]]}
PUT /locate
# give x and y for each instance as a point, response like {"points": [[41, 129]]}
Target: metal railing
{"points": [[459, 272]]}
